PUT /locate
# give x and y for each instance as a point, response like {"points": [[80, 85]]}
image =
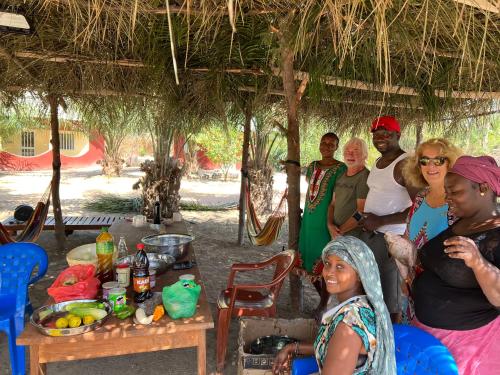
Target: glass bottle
{"points": [[157, 211], [104, 251], [122, 248]]}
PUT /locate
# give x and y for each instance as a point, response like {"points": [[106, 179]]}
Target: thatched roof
{"points": [[410, 57]]}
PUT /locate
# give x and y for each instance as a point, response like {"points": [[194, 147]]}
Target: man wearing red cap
{"points": [[387, 205]]}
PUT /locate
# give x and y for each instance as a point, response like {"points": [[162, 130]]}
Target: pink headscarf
{"points": [[479, 169]]}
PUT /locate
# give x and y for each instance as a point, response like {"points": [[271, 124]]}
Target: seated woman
{"points": [[356, 336], [457, 296]]}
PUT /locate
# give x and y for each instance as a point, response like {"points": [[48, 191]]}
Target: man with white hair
{"points": [[348, 200]]}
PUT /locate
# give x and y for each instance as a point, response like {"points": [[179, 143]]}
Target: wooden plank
{"points": [[111, 347], [481, 4], [71, 222]]}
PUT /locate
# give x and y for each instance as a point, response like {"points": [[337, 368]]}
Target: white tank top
{"points": [[386, 196]]}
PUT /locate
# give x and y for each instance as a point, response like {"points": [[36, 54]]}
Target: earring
{"points": [[482, 194]]}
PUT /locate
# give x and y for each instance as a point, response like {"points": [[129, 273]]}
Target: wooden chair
{"points": [[250, 299]]}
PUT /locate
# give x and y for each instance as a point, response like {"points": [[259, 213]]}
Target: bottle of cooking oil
{"points": [[104, 251]]}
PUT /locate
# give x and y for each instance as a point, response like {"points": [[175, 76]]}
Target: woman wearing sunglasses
{"points": [[429, 215], [427, 169]]}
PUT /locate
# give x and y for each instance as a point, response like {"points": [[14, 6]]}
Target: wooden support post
{"points": [[293, 97], [418, 135], [244, 170], [56, 171]]}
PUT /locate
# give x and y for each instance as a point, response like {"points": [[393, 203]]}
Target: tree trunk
{"points": [[56, 172], [292, 167], [261, 188], [418, 135], [244, 171]]}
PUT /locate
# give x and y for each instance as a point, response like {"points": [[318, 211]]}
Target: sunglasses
{"points": [[437, 162]]}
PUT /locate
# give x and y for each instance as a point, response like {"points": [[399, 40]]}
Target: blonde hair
{"points": [[411, 170], [362, 145]]}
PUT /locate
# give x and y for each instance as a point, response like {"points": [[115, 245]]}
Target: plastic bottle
{"points": [[157, 211], [122, 248], [142, 288], [104, 251]]}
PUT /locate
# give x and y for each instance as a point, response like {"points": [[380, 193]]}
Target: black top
{"points": [[447, 294]]}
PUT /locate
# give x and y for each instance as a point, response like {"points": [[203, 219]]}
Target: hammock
{"points": [[34, 224], [264, 235]]}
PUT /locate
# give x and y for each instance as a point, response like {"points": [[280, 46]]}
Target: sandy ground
{"points": [[215, 248]]}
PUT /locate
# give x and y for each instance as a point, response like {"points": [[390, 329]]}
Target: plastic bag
{"points": [[75, 282], [180, 299]]}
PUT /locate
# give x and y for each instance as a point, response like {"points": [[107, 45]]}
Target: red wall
{"points": [[11, 162]]}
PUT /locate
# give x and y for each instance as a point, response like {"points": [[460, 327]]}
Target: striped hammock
{"points": [[34, 225], [261, 235]]}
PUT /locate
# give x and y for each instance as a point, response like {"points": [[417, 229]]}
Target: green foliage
{"points": [[114, 203], [222, 146], [23, 113]]}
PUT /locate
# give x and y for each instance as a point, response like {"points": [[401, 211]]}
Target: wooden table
{"points": [[119, 337]]}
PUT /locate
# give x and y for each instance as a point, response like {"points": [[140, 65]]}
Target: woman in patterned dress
{"points": [[355, 337], [314, 235]]}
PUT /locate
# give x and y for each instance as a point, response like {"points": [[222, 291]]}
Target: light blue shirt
{"points": [[427, 222]]}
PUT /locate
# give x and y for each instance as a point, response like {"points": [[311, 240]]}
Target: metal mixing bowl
{"points": [[160, 262], [176, 245], [46, 312]]}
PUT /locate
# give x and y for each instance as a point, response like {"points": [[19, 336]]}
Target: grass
{"points": [[117, 204]]}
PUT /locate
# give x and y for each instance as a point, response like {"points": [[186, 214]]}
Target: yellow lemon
{"points": [[69, 316], [75, 322], [88, 319], [55, 332], [62, 323]]}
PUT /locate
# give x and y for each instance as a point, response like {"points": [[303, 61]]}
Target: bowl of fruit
{"points": [[71, 317]]}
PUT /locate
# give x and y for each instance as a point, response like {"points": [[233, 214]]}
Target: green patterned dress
{"points": [[314, 233]]}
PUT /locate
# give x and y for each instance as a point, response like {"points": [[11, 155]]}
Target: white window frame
{"points": [[67, 141], [28, 143]]}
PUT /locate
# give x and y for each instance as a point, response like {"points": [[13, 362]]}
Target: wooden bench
{"points": [[71, 223]]}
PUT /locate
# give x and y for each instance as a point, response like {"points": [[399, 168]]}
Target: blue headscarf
{"points": [[358, 255]]}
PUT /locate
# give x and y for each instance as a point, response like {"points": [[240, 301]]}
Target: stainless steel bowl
{"points": [[160, 262], [45, 312], [176, 245]]}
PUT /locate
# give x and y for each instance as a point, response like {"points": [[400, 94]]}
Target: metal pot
{"points": [[176, 245], [160, 262]]}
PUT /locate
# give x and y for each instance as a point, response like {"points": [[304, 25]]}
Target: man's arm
{"points": [[399, 177], [352, 223]]}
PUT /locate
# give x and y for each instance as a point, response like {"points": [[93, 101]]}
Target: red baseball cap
{"points": [[386, 122]]}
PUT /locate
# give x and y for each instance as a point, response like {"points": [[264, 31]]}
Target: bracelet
{"points": [[296, 352]]}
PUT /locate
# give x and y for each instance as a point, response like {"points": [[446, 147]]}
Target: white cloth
{"points": [[386, 196]]}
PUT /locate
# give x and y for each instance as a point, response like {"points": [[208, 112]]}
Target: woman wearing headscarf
{"points": [[457, 296], [355, 337]]}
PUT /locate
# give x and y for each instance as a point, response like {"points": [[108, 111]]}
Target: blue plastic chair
{"points": [[17, 263], [420, 353], [417, 353]]}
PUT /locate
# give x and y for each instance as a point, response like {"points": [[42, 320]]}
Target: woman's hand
{"points": [[334, 231], [464, 248], [281, 362]]}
